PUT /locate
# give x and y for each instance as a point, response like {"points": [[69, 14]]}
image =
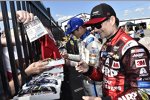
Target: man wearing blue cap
{"points": [[89, 46]]}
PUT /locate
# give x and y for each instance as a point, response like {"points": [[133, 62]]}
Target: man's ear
{"points": [[112, 20]]}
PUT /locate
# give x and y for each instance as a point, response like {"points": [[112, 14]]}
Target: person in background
{"points": [[20, 18], [6, 60], [97, 35], [124, 63], [35, 67], [140, 32], [71, 45], [88, 46], [129, 30]]}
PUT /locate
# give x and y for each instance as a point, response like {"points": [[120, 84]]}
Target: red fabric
{"points": [[48, 48]]}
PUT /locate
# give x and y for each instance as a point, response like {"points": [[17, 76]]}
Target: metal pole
{"points": [[23, 36], [17, 39], [9, 44]]}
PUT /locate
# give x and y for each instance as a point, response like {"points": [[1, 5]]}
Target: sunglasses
{"points": [[98, 25]]}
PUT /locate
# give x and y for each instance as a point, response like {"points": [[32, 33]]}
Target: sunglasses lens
{"points": [[93, 27], [98, 26]]}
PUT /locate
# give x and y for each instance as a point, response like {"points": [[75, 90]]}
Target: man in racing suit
{"points": [[88, 46], [124, 63]]}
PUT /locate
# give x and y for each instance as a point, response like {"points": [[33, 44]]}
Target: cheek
{"points": [[77, 35], [105, 29]]}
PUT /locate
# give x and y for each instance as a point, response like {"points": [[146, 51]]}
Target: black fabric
{"points": [[72, 87], [66, 88], [72, 49]]}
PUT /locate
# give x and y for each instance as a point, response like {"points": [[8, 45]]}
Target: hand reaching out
{"points": [[36, 68]]}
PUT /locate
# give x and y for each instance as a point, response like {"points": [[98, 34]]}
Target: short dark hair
{"points": [[117, 22]]}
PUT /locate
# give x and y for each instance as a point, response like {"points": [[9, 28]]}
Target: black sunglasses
{"points": [[98, 25]]}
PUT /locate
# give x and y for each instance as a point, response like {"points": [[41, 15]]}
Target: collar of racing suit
{"points": [[85, 35], [111, 37]]}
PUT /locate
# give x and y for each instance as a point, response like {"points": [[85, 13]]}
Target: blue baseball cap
{"points": [[73, 24]]}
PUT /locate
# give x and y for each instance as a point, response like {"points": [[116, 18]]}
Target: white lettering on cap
{"points": [[95, 13]]}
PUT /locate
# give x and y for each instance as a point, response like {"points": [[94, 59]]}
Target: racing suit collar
{"points": [[85, 35], [112, 36]]}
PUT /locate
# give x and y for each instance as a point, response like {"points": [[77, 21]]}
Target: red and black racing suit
{"points": [[124, 68]]}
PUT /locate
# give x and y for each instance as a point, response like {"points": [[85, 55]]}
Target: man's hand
{"points": [[91, 98], [82, 67], [24, 16]]}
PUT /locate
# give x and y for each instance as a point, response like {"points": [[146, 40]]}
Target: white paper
{"points": [[35, 29]]}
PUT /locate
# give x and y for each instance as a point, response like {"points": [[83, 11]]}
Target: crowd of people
{"points": [[134, 30], [117, 69]]}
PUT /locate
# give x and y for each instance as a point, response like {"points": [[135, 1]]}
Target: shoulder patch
{"points": [[116, 64], [128, 45], [89, 40], [140, 63]]}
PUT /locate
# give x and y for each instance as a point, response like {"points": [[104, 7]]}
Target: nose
{"points": [[96, 30]]}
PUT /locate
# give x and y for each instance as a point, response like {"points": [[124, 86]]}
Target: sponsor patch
{"points": [[143, 84], [109, 72], [115, 65], [104, 54], [115, 56], [138, 55], [128, 45], [137, 50], [143, 72], [107, 62], [140, 63], [129, 96], [116, 48]]}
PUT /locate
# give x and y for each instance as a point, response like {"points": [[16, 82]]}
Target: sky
{"points": [[129, 9]]}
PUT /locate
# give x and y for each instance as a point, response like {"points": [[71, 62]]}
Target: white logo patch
{"points": [[140, 63], [109, 72], [139, 55], [115, 65], [95, 12], [107, 62], [137, 50], [143, 72]]}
